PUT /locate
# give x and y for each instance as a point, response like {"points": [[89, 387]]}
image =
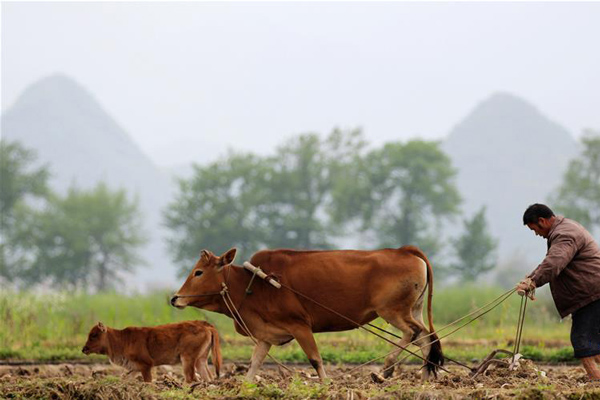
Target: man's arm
{"points": [[560, 254]]}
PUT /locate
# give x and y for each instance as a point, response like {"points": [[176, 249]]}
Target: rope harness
{"points": [[236, 315]]}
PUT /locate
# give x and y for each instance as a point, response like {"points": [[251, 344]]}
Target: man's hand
{"points": [[526, 287]]}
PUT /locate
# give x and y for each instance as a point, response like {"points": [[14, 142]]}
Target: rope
{"points": [[500, 299], [503, 296], [362, 327], [238, 318], [520, 323]]}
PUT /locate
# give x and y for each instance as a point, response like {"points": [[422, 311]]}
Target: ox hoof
{"points": [[377, 378], [388, 372]]}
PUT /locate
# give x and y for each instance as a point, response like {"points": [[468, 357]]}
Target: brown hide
{"points": [[141, 348], [360, 285]]}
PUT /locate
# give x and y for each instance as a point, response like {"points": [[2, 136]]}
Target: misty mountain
{"points": [[83, 145], [509, 155]]}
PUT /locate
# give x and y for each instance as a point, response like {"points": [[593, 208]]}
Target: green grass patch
{"points": [[54, 327]]}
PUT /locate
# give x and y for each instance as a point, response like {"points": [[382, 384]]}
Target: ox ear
{"points": [[228, 257], [101, 327]]}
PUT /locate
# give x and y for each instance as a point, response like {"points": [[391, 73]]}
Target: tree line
{"points": [[82, 240], [313, 192]]}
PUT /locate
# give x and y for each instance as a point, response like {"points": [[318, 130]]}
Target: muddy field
{"points": [[103, 381]]}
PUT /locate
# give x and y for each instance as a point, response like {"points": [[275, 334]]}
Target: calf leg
{"points": [[146, 371], [143, 364], [188, 368], [202, 361], [306, 340], [202, 368], [260, 352]]}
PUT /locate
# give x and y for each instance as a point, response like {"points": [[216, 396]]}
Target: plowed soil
{"points": [[104, 381]]}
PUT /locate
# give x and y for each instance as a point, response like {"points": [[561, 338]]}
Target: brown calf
{"points": [[140, 349]]}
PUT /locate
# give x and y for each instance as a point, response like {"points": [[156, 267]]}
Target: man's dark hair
{"points": [[535, 212]]}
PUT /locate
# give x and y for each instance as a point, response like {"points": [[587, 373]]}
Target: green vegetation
{"points": [[18, 182], [252, 202], [80, 241], [410, 191], [303, 195], [55, 327], [86, 239], [475, 249], [579, 195]]}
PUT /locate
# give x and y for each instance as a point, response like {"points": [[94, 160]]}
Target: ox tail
{"points": [[436, 355], [217, 359]]}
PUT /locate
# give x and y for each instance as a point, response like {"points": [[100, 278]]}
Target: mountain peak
{"points": [[56, 88], [83, 145], [505, 117], [505, 105], [509, 155], [70, 129]]}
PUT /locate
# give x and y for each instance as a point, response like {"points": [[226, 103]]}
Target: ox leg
{"points": [[260, 352], [306, 340], [424, 342], [410, 330]]}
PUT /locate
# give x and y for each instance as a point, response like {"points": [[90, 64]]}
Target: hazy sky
{"points": [[189, 80]]}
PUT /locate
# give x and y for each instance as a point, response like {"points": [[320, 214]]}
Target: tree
{"points": [[19, 182], [217, 208], [298, 204], [475, 249], [579, 195], [250, 202], [86, 239], [400, 192]]}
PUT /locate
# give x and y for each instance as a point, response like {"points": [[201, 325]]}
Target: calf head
{"points": [[97, 341], [203, 285]]}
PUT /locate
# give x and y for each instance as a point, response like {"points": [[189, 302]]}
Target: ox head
{"points": [[202, 286], [97, 341]]}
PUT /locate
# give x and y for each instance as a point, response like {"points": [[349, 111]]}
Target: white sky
{"points": [[189, 80]]}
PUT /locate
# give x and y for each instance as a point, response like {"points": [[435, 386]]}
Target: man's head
{"points": [[539, 218], [97, 340]]}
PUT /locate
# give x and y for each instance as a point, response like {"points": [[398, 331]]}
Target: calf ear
{"points": [[228, 257], [101, 327]]}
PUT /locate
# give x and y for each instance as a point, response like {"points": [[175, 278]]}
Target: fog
{"points": [[188, 80], [142, 89]]}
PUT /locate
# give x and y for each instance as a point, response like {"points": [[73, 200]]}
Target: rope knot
{"points": [[225, 289]]}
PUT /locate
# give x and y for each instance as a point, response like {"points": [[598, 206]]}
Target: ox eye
{"points": [[198, 273]]}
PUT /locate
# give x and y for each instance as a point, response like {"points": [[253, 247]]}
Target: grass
{"points": [[54, 327]]}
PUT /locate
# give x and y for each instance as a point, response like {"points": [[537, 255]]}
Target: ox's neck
{"points": [[236, 279]]}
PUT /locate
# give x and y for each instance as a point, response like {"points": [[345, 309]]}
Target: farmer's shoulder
{"points": [[568, 229]]}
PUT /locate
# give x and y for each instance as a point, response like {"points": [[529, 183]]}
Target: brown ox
{"points": [[139, 349], [360, 285]]}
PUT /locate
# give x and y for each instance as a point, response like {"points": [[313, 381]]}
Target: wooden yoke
{"points": [[259, 272]]}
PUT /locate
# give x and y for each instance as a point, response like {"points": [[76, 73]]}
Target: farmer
{"points": [[572, 266]]}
